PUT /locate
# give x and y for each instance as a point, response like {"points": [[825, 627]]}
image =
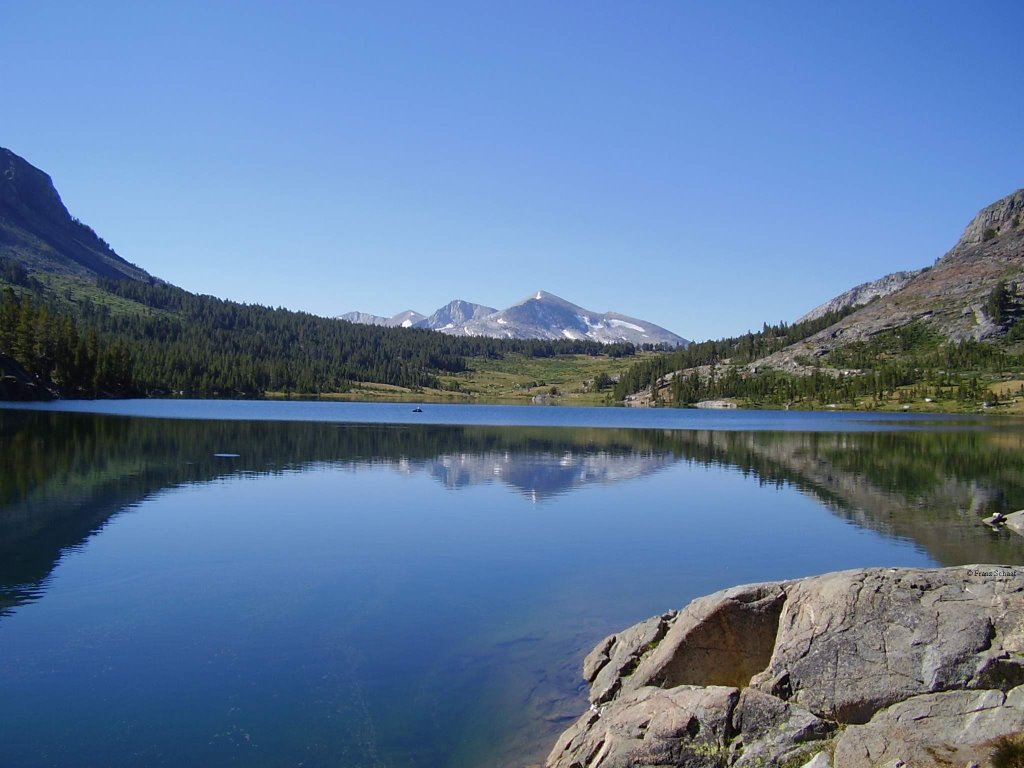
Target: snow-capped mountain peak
{"points": [[541, 315], [456, 314]]}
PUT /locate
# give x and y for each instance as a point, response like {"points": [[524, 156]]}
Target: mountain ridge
{"points": [[862, 294], [541, 315]]}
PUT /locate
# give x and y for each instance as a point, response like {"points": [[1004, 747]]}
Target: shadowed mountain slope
{"points": [[37, 231]]}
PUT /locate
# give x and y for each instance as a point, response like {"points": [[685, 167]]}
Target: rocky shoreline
{"points": [[870, 667]]}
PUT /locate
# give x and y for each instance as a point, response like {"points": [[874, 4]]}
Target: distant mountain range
{"points": [[539, 316]]}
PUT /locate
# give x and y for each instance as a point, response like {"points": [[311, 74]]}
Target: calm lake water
{"points": [[284, 584]]}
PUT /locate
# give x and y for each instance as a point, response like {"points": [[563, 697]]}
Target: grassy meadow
{"points": [[564, 379]]}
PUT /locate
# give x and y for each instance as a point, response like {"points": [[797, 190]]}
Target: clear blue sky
{"points": [[703, 165]]}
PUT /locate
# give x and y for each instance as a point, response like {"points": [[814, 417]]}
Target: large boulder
{"points": [[768, 674], [851, 643], [691, 726], [652, 726]]}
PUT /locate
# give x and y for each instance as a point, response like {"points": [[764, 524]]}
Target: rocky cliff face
{"points": [[455, 314], [37, 231], [869, 666], [1001, 218]]}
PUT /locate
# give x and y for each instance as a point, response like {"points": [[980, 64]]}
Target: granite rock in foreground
{"points": [[867, 668]]}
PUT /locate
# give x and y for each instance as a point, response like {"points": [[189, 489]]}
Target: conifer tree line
{"points": [[171, 341], [53, 350], [906, 381], [738, 349]]}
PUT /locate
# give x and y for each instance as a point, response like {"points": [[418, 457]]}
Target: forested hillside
{"points": [[133, 337], [908, 364]]}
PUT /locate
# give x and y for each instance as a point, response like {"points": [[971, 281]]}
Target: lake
{"points": [[349, 584]]}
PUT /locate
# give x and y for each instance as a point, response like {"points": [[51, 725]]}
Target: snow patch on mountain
{"points": [[623, 324], [406, 319]]}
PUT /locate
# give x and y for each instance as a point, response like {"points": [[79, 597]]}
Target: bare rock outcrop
{"points": [[1003, 216], [873, 665], [949, 728], [862, 294], [949, 297]]}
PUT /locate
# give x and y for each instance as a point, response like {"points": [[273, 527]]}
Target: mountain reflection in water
{"points": [[62, 476], [541, 475]]}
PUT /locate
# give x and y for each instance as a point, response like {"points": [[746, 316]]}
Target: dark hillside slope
{"points": [[37, 231]]}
